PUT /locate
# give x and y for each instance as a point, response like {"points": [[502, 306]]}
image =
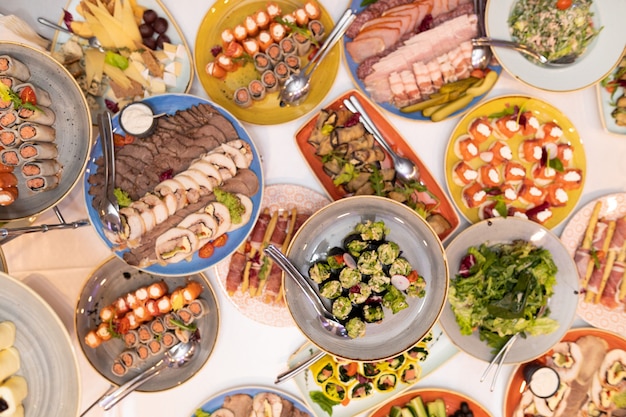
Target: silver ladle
{"points": [[406, 170], [326, 319], [298, 85], [481, 55], [108, 207], [500, 43]]}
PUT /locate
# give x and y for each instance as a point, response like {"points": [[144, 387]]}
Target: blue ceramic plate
{"points": [[216, 402], [170, 103], [352, 67]]}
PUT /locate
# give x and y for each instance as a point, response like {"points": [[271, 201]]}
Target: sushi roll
{"points": [[13, 68], [129, 358], [274, 54], [36, 132], [175, 245], [107, 313], [288, 46], [198, 308], [361, 390], [317, 29], [10, 82], [273, 9], [234, 50], [42, 115], [131, 299], [410, 373], [10, 157], [293, 63], [9, 138], [269, 81], [143, 352], [131, 338], [355, 327], [9, 118], [186, 316], [38, 150], [347, 372], [157, 327], [118, 368], [6, 105], [303, 43], [257, 90], [145, 333], [386, 382], [168, 339], [281, 70], [323, 370], [262, 61], [227, 36], [242, 97], [215, 70], [41, 95], [42, 183], [169, 321], [334, 390]]}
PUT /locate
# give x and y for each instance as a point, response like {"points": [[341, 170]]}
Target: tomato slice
{"points": [[27, 95], [220, 240], [563, 4], [207, 250]]}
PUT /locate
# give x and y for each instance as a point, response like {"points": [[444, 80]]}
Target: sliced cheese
{"points": [[94, 65]]}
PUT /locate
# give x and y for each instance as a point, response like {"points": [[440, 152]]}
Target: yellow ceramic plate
{"points": [[226, 14], [544, 113]]}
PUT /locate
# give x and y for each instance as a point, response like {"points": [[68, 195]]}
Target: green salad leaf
{"points": [[505, 291]]}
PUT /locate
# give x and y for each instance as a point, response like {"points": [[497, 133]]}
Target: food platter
{"points": [[226, 14], [46, 351], [360, 84], [184, 75], [607, 101], [420, 246], [517, 391], [440, 350], [562, 305], [112, 280], [169, 104], [394, 139], [613, 207], [72, 125], [544, 114], [452, 400], [216, 401], [596, 62], [275, 197]]}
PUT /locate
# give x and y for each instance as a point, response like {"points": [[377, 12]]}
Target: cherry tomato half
{"points": [[207, 250], [220, 240], [27, 95], [563, 4]]}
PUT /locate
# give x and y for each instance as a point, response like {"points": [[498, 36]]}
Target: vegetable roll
{"points": [[13, 68], [9, 138], [42, 115], [269, 81], [257, 90], [36, 132], [410, 373], [274, 54], [42, 182], [38, 150], [12, 394], [118, 368], [361, 390], [9, 118], [41, 95], [175, 245], [7, 334], [10, 157], [323, 370], [386, 381], [242, 97], [262, 61], [9, 362]]}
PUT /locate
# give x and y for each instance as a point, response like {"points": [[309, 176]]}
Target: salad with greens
{"points": [[554, 28], [502, 290]]}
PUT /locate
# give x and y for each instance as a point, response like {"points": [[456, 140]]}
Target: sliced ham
{"points": [[610, 295], [361, 49]]}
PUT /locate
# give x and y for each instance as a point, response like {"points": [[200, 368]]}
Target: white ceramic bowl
{"points": [[420, 246], [562, 305]]}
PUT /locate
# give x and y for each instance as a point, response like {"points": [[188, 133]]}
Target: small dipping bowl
{"points": [[542, 380], [138, 119]]}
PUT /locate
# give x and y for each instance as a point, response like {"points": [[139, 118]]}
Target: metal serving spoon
{"points": [[500, 43], [92, 40], [298, 85], [406, 170], [108, 207], [327, 320], [481, 55]]}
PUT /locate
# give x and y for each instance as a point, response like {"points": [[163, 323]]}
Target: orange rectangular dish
{"points": [[394, 139]]}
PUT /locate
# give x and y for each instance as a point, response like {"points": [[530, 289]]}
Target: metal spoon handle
{"points": [[501, 43], [42, 228], [340, 28], [299, 367], [53, 25], [109, 400], [286, 265], [499, 358], [354, 105]]}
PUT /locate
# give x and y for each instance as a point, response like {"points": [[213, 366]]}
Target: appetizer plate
{"points": [[112, 280], [601, 56], [225, 14], [452, 399], [517, 391], [544, 113], [440, 350], [613, 207], [169, 104], [184, 78], [606, 101], [562, 304], [419, 245], [216, 401], [357, 5], [275, 197], [46, 351], [395, 140], [72, 125]]}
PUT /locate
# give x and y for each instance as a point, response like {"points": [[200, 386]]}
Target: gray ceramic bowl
{"points": [[72, 124], [562, 304], [419, 244]]}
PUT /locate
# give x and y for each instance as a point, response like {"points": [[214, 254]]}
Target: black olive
{"points": [[160, 25], [150, 43], [146, 30], [162, 38], [465, 407], [335, 251], [149, 16]]}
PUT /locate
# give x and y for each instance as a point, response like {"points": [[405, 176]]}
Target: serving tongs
{"points": [[6, 233], [108, 207]]}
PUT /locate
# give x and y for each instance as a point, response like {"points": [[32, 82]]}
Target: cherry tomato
{"points": [[413, 276], [563, 4], [27, 95], [220, 240], [207, 250]]}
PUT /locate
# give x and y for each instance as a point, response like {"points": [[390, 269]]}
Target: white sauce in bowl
{"points": [[137, 119]]}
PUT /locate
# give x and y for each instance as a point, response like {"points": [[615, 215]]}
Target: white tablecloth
{"points": [[248, 353]]}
